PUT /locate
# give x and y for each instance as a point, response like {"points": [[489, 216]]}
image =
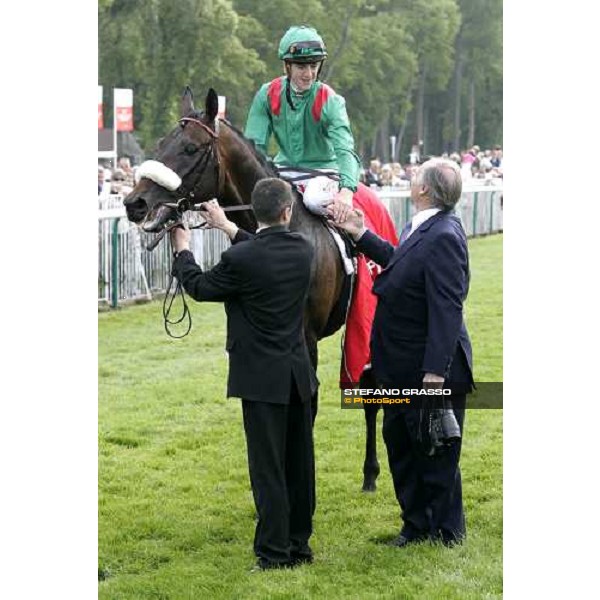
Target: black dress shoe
{"points": [[269, 566], [301, 554], [451, 541], [302, 559], [401, 541], [448, 539]]}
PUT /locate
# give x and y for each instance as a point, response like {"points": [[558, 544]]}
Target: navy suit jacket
{"points": [[264, 285], [418, 326]]}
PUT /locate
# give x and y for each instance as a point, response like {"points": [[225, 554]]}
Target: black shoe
{"points": [[301, 554], [401, 541], [269, 566], [450, 541], [302, 559]]}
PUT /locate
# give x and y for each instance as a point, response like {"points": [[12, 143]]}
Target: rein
{"points": [[171, 296], [307, 170], [181, 206]]}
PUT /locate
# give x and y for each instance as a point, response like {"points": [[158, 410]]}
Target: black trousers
{"points": [[429, 489], [282, 474]]}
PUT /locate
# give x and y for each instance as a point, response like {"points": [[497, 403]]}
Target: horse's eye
{"points": [[190, 148]]}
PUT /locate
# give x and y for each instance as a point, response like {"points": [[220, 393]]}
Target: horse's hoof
{"points": [[369, 486]]}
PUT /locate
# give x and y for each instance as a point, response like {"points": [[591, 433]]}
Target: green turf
{"points": [[175, 506]]}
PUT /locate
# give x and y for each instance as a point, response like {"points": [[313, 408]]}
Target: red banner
{"points": [[124, 109], [124, 118], [100, 113]]}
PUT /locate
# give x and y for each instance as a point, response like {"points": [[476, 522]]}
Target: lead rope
{"points": [[170, 297], [167, 309]]}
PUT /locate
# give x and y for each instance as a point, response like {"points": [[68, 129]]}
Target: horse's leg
{"points": [[311, 343], [371, 465]]}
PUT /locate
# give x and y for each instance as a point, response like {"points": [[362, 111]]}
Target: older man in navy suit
{"points": [[419, 337]]}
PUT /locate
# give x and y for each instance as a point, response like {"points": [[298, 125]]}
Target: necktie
{"points": [[404, 233]]}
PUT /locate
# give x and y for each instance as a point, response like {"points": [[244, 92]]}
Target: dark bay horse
{"points": [[205, 157]]}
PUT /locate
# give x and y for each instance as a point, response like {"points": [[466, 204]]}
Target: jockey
{"points": [[307, 118]]}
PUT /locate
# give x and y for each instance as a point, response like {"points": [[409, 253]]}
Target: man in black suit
{"points": [[373, 173], [419, 337], [263, 281]]}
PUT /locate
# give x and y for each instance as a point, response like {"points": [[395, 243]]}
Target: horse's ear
{"points": [[212, 105], [187, 101]]}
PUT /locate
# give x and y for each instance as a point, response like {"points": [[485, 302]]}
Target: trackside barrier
{"points": [[480, 208], [127, 272]]}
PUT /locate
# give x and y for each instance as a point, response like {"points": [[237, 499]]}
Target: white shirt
{"points": [[421, 217]]}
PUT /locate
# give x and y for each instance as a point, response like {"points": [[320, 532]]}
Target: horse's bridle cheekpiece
{"points": [[186, 202]]}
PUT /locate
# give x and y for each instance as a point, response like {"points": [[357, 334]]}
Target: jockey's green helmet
{"points": [[302, 44]]}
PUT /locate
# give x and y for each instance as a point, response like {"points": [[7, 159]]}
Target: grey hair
{"points": [[444, 182]]}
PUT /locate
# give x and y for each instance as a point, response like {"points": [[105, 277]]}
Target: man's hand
{"points": [[214, 215], [432, 381], [341, 205], [354, 223], [180, 239]]}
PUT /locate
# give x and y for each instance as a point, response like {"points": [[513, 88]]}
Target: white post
{"points": [[393, 144], [114, 166], [222, 104]]}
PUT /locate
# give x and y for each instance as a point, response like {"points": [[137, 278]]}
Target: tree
{"points": [[478, 74], [157, 47], [420, 69]]}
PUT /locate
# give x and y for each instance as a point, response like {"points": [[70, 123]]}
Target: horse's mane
{"points": [[265, 163]]}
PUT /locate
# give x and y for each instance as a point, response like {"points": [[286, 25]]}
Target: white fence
{"points": [[127, 272]]}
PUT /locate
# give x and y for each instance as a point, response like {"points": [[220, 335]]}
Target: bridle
{"points": [[187, 203], [187, 192]]}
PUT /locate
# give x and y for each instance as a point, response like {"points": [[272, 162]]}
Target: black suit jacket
{"points": [[371, 179], [418, 326], [264, 284]]}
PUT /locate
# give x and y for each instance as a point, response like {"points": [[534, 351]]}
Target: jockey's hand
{"points": [[214, 215], [342, 205], [354, 223], [180, 238]]}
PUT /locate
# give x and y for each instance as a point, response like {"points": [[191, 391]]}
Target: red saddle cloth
{"points": [[355, 352]]}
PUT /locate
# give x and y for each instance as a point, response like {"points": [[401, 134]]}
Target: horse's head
{"points": [[185, 170]]}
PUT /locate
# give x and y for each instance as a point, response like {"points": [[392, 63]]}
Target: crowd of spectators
{"points": [[118, 181], [474, 164]]}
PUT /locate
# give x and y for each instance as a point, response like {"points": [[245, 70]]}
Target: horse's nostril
{"points": [[136, 210]]}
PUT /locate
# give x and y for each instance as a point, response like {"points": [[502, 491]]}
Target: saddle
{"points": [[317, 187]]}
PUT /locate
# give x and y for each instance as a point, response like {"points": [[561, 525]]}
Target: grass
{"points": [[175, 506]]}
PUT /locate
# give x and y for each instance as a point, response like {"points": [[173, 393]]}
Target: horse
{"points": [[205, 157]]}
